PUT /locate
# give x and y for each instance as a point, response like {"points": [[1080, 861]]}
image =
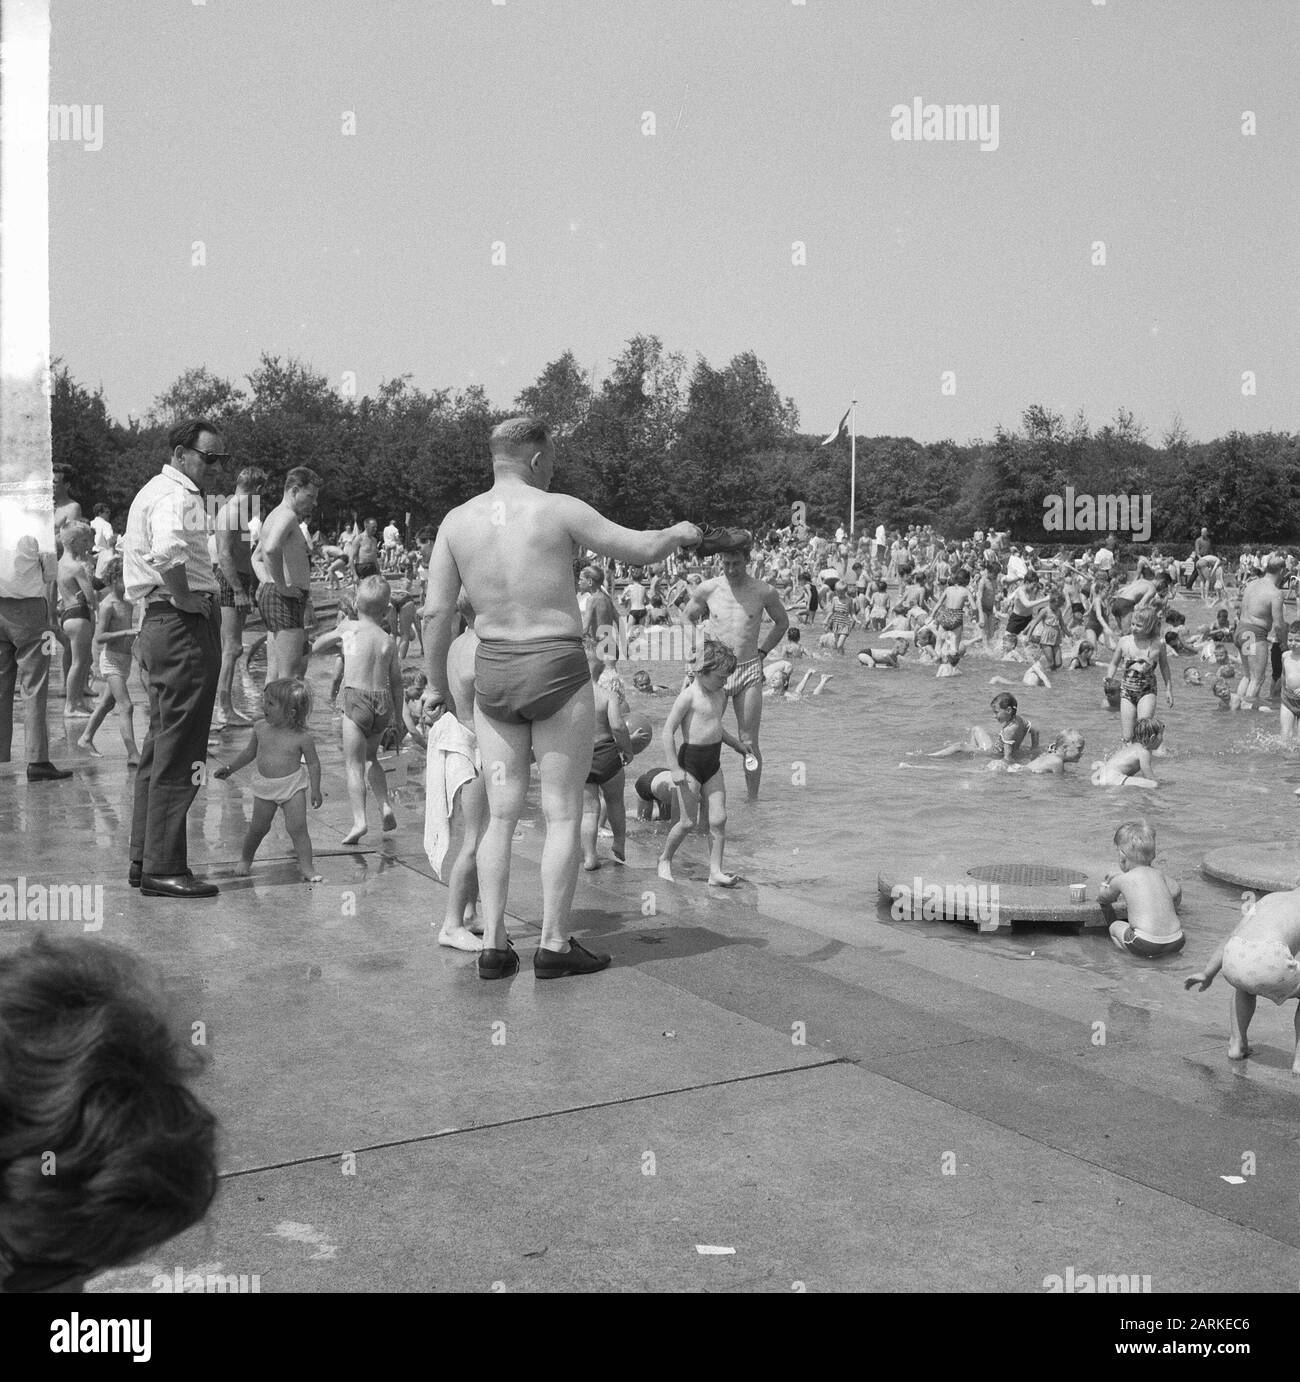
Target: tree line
{"points": [[657, 440]]}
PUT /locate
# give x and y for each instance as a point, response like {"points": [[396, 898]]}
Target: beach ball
{"points": [[638, 727]]}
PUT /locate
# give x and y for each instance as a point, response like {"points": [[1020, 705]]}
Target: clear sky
{"points": [[523, 123]]}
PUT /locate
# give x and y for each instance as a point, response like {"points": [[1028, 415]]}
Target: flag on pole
{"points": [[842, 430]]}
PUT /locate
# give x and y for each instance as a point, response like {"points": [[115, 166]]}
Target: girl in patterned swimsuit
{"points": [[1142, 651], [840, 621]]}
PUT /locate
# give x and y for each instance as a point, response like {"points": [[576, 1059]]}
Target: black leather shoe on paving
{"points": [[498, 964], [133, 874], [557, 964], [46, 772], [717, 540], [179, 885]]}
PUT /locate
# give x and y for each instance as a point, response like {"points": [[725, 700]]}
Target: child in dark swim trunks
{"points": [[1151, 929], [372, 697], [287, 767], [696, 766], [656, 795]]}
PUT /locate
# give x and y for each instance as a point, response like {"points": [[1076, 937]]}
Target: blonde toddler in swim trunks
{"points": [[287, 767], [1258, 960], [371, 701], [1152, 928]]}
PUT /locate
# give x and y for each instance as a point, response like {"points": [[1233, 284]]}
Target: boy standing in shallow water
{"points": [[696, 766], [371, 699], [1258, 959], [1152, 928]]}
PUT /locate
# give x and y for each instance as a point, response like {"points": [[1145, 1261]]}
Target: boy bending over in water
{"points": [[1152, 928], [1258, 960], [1130, 765], [696, 766]]}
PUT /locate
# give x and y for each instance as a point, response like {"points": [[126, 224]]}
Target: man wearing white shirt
{"points": [[103, 529], [166, 564], [1104, 561], [28, 617]]}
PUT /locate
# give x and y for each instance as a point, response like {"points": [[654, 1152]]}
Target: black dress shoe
{"points": [[46, 772], [716, 540], [178, 885], [133, 874]]}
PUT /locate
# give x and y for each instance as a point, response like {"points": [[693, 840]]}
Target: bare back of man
{"points": [[735, 604], [1262, 622], [512, 549]]}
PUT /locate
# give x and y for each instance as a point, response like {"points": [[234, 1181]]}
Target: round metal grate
{"points": [[1026, 875]]}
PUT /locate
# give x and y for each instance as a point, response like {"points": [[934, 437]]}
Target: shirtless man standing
{"points": [[282, 563], [600, 622], [66, 508], [364, 552], [1262, 623], [234, 572], [512, 548], [734, 604]]}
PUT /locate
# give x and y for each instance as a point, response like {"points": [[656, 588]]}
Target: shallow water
{"points": [[847, 788]]}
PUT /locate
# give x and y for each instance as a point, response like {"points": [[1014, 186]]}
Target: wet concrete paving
{"points": [[847, 1105]]}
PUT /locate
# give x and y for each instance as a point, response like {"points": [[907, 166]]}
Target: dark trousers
{"points": [[181, 657], [25, 663]]}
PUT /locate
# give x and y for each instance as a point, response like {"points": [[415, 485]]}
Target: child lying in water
{"points": [[879, 657], [1130, 764], [1014, 733], [1258, 959], [1151, 928], [1067, 747]]}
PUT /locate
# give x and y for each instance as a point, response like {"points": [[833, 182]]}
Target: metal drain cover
{"points": [[1026, 875]]}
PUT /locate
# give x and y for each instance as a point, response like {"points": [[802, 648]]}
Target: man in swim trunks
{"points": [[512, 548], [1258, 960], [1262, 623], [282, 563], [734, 604], [364, 551], [235, 583], [600, 622], [1136, 594]]}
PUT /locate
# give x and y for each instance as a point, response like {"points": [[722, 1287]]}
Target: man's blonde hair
{"points": [[519, 434]]}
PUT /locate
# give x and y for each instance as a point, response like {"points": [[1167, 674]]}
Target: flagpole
{"points": [[853, 462]]}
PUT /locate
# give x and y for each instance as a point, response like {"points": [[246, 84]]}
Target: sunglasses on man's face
{"points": [[212, 457]]}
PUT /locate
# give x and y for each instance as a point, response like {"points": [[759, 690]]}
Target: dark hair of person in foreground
{"points": [[104, 1151]]}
